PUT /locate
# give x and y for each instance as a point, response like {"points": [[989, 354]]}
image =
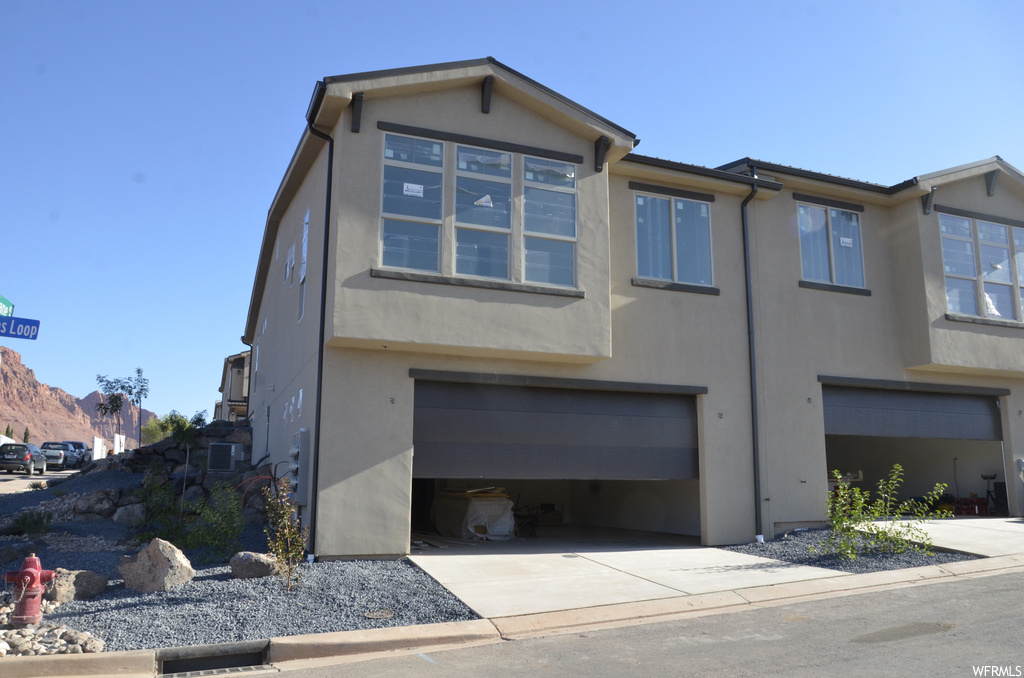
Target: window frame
{"points": [[1013, 245], [385, 216], [673, 246], [449, 225], [827, 206]]}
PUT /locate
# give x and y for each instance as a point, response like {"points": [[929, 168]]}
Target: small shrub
{"points": [[286, 538], [37, 485], [59, 492], [34, 523], [885, 525], [216, 529]]}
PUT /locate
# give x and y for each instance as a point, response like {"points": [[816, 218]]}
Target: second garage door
{"points": [[473, 430]]}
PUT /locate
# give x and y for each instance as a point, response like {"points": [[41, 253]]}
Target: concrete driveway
{"points": [[571, 568]]}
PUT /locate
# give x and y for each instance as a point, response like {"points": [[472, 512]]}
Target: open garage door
{"points": [[910, 414], [473, 430]]}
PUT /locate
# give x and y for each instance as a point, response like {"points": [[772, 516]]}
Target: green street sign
{"points": [[6, 307]]}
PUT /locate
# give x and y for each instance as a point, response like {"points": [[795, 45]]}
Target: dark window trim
{"points": [[479, 141], [978, 320], [978, 215], [827, 287], [554, 382], [891, 385], [676, 287], [829, 202], [436, 279], [674, 192]]}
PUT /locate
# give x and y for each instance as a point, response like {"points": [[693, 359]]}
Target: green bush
{"points": [[216, 529], [37, 485], [885, 525], [286, 538], [34, 523], [212, 527]]}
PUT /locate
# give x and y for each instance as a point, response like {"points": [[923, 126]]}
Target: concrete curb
{"points": [[375, 642], [138, 663], [345, 643]]}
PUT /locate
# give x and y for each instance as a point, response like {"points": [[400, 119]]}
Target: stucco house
{"points": [[507, 295]]}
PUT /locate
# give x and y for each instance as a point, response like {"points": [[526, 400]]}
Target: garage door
{"points": [[485, 431], [910, 414]]}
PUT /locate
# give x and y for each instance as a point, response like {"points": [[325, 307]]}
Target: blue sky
{"points": [[142, 142]]}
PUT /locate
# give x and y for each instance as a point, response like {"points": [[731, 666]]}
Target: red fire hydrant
{"points": [[29, 585]]}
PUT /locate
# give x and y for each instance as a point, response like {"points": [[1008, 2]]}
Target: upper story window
{"points": [[673, 239], [984, 267], [830, 245], [508, 216], [411, 231]]}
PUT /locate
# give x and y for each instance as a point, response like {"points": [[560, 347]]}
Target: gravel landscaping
{"points": [[795, 547], [331, 596], [213, 607]]}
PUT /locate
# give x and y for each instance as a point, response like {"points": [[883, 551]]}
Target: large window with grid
{"points": [[983, 262], [508, 216]]}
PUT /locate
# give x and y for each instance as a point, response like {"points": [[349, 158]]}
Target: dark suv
{"points": [[22, 457]]}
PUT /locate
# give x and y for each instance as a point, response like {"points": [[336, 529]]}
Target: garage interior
{"points": [[937, 437], [562, 456]]}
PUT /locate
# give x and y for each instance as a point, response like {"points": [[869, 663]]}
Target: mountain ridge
{"points": [[51, 413]]}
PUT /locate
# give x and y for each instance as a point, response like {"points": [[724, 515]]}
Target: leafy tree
{"points": [[155, 430], [25, 437], [184, 433], [116, 390], [137, 388], [114, 400], [9, 432]]}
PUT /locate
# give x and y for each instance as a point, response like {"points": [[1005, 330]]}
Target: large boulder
{"points": [[131, 515], [98, 504], [250, 565], [160, 566], [75, 585]]}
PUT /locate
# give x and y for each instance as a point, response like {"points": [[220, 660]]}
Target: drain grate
{"points": [[234, 670]]}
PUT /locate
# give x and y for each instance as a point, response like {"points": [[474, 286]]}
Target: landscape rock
{"points": [[7, 554], [160, 566], [194, 494], [250, 565], [75, 585], [95, 504], [132, 515]]}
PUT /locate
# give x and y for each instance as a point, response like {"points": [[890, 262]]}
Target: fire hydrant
{"points": [[32, 581]]}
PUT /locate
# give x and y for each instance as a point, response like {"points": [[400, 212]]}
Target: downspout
{"points": [[318, 97], [755, 427]]}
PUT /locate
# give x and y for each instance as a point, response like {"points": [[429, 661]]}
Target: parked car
{"points": [[58, 455], [81, 453], [22, 457]]}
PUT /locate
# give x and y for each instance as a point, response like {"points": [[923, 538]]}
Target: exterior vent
{"points": [[223, 456]]}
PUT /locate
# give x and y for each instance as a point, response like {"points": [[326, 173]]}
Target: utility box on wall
{"points": [[300, 467]]}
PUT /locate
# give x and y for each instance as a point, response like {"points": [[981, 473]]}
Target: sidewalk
{"points": [[525, 589]]}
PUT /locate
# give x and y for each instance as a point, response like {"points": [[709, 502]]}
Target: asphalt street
{"points": [[968, 627]]}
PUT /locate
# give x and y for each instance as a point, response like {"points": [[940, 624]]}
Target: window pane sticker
{"points": [[413, 190], [845, 242]]}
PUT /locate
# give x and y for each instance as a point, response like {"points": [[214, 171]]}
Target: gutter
{"points": [[755, 427], [314, 108]]}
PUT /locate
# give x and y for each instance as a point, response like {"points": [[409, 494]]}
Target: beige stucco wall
{"points": [[284, 378], [961, 346], [451, 319], [379, 329]]}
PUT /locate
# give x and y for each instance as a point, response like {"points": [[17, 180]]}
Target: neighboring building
{"points": [[234, 388], [514, 295]]}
